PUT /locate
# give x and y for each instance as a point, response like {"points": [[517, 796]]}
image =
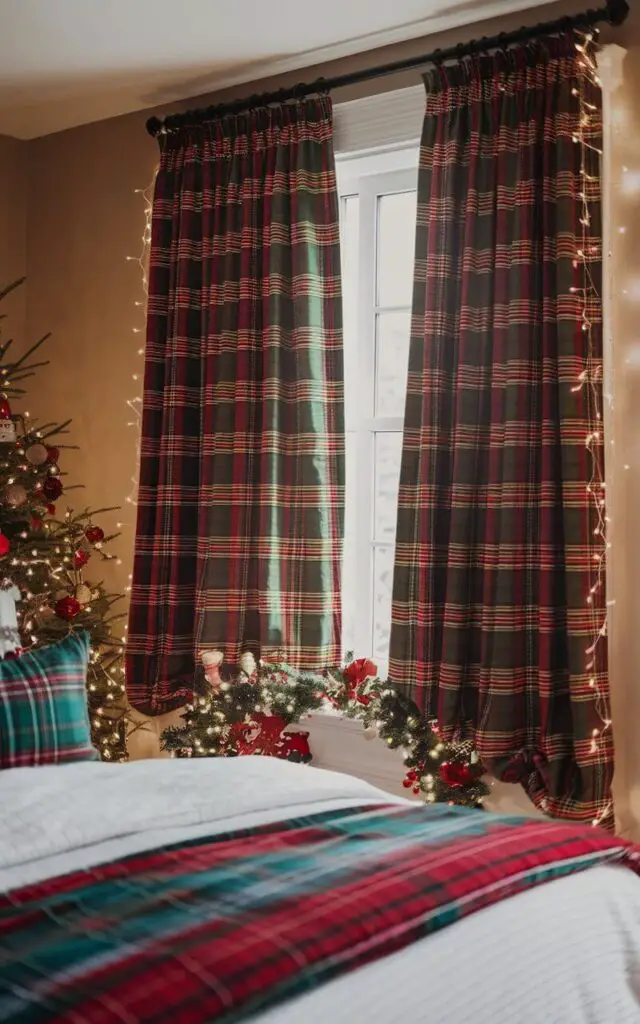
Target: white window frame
{"points": [[370, 176]]}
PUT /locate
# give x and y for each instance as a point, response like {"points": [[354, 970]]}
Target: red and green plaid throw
{"points": [[220, 928]]}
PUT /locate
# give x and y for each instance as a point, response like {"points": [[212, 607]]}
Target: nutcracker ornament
{"points": [[211, 662], [9, 633], [7, 425]]}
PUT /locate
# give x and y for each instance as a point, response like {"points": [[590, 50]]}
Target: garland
{"points": [[246, 710]]}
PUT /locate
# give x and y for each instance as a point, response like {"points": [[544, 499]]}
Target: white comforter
{"points": [[566, 953]]}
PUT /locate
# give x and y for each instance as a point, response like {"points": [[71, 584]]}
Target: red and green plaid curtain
{"points": [[241, 499], [496, 546]]}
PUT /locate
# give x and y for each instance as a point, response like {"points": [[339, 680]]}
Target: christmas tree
{"points": [[47, 551]]}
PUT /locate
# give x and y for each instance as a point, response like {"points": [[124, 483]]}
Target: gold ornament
{"points": [[36, 454], [83, 593], [15, 495]]}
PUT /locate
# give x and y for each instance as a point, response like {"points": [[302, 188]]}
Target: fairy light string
{"points": [[134, 404], [590, 384]]}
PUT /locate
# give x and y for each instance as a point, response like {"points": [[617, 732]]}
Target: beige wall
{"points": [[13, 232], [84, 219], [623, 454]]}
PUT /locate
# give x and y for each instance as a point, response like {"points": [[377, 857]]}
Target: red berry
{"points": [[407, 783]]}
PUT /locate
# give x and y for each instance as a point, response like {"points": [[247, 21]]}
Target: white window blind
{"points": [[386, 121]]}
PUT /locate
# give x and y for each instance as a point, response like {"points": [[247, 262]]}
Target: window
{"points": [[378, 215]]}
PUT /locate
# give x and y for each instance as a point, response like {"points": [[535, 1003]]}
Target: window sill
{"points": [[339, 744]]}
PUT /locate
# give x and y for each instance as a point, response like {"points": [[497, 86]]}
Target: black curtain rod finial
{"points": [[618, 11], [154, 126]]}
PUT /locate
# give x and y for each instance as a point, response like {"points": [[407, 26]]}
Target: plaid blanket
{"points": [[220, 928]]}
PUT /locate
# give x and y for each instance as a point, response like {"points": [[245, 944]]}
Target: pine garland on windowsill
{"points": [[245, 710]]}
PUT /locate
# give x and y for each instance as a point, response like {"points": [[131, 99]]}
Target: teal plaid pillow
{"points": [[43, 706]]}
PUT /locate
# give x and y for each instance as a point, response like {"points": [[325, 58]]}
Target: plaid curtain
{"points": [[496, 553], [241, 499]]}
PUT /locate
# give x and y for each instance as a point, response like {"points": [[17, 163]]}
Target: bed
{"points": [[566, 951]]}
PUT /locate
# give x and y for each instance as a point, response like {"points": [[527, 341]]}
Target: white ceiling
{"points": [[68, 62]]}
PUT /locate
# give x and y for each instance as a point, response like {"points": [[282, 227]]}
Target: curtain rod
{"points": [[614, 13]]}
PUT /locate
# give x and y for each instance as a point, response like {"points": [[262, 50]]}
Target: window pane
{"points": [[388, 453], [396, 243], [392, 358], [382, 594], [349, 249], [349, 557]]}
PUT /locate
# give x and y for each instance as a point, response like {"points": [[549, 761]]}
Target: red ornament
{"points": [[80, 558], [52, 487], [455, 774], [296, 747], [51, 509], [5, 545], [94, 534], [53, 455], [5, 408], [67, 608], [36, 524]]}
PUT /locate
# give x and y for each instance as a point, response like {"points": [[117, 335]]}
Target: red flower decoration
{"points": [[94, 534], [355, 675], [455, 774], [67, 608], [52, 487], [359, 671], [80, 558], [53, 455]]}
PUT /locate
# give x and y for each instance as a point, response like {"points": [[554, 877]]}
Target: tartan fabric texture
{"points": [[496, 554], [43, 706], [241, 497], [221, 928]]}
